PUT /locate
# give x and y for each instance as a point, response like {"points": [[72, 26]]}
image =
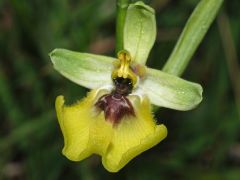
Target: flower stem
{"points": [[122, 6], [193, 33]]}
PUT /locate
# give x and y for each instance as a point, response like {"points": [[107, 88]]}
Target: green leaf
{"points": [[139, 31], [169, 91], [193, 33], [87, 70]]}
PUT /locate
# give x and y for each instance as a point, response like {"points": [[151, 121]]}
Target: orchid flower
{"points": [[115, 119]]}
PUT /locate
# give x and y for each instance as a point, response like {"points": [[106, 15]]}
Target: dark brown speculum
{"points": [[116, 104]]}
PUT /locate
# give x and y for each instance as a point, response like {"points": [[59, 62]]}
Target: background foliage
{"points": [[202, 144]]}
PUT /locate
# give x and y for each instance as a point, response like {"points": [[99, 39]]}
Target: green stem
{"points": [[122, 6], [193, 33]]}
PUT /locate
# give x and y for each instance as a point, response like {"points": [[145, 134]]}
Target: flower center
{"points": [[116, 105], [124, 70], [123, 86]]}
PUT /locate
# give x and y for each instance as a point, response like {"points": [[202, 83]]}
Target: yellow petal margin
{"points": [[83, 130], [133, 136], [87, 132]]}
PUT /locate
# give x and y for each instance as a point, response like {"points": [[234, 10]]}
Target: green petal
{"points": [[88, 70], [169, 91], [139, 31]]}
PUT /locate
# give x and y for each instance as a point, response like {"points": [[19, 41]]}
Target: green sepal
{"points": [[139, 31], [166, 90], [87, 70]]}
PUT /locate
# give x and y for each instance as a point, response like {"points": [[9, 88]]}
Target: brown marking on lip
{"points": [[116, 105]]}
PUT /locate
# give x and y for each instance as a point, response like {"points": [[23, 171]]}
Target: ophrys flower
{"points": [[115, 119]]}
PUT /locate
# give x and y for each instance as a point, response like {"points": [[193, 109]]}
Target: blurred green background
{"points": [[203, 143]]}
